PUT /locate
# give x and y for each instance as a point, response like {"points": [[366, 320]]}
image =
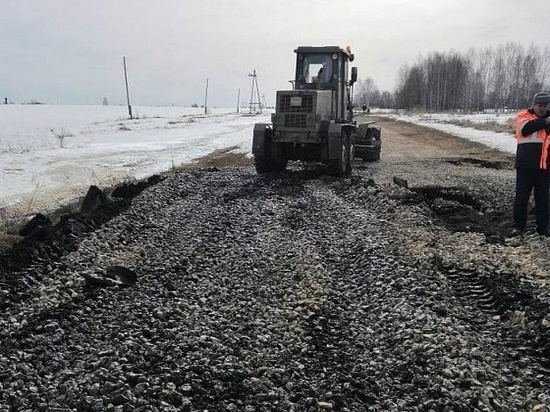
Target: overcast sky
{"points": [[70, 51]]}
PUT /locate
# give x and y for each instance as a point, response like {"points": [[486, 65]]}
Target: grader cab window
{"points": [[317, 68]]}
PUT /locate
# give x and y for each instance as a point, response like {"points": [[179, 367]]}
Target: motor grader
{"points": [[314, 121]]}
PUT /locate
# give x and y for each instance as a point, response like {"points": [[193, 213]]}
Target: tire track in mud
{"points": [[504, 298], [489, 296], [462, 206], [496, 292], [493, 290]]}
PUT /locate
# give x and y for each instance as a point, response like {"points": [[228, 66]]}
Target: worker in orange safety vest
{"points": [[533, 163]]}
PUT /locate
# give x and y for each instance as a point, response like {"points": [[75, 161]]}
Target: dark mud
{"points": [[490, 164], [461, 211]]}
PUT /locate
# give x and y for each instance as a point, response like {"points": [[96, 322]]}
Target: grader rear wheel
{"points": [[342, 166]]}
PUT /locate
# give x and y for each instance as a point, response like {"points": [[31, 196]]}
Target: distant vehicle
{"points": [[314, 121]]}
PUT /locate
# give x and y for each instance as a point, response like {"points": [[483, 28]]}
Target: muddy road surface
{"points": [[396, 289]]}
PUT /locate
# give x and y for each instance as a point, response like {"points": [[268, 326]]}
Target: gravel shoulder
{"points": [[292, 292]]}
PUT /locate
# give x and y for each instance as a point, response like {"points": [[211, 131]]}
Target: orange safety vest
{"points": [[540, 136]]}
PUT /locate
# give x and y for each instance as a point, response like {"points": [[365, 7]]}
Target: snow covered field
{"points": [[52, 153], [49, 154]]}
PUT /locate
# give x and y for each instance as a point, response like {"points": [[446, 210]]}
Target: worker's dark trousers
{"points": [[528, 180]]}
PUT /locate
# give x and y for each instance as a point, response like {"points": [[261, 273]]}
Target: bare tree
{"points": [[365, 89], [411, 93], [505, 76]]}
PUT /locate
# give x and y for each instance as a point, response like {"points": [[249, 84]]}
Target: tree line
{"points": [[503, 77]]}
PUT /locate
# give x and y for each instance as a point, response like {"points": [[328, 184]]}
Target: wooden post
{"points": [[206, 97], [127, 92]]}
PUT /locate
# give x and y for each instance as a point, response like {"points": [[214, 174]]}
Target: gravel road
{"points": [[396, 289]]}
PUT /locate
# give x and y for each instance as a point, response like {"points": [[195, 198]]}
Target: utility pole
{"points": [[258, 92], [256, 89], [252, 91], [238, 99], [206, 97], [127, 92]]}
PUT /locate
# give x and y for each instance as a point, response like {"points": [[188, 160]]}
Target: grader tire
{"points": [[342, 166]]}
